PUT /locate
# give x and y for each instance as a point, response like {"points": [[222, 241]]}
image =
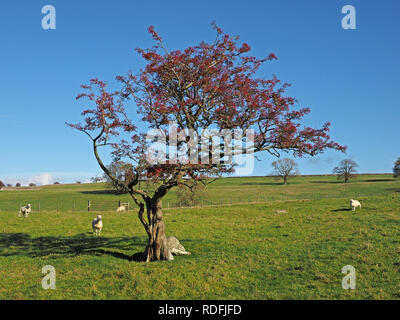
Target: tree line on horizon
{"points": [[347, 168], [18, 185], [283, 169]]}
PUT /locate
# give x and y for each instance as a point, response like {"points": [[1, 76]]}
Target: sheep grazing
{"points": [[354, 204], [97, 225], [121, 209], [25, 211]]}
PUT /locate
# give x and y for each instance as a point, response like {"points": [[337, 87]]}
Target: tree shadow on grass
{"points": [[22, 244], [343, 209], [318, 181], [102, 192], [378, 180], [261, 183], [138, 257]]}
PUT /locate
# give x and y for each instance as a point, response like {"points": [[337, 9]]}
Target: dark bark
{"points": [[157, 248]]}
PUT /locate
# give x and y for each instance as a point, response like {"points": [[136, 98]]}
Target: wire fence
{"points": [[44, 205], [64, 205]]}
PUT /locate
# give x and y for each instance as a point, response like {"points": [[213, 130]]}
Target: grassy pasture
{"points": [[239, 251]]}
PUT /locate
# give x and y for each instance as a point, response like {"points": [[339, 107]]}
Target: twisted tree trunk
{"points": [[157, 248]]}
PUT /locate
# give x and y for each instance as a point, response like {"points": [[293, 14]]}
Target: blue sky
{"points": [[348, 77]]}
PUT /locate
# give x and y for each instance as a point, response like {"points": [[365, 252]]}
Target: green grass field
{"points": [[239, 250]]}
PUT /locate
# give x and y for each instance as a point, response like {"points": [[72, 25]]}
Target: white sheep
{"points": [[175, 248], [25, 210], [97, 225], [354, 204], [121, 209]]}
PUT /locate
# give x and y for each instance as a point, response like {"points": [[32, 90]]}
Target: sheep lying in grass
{"points": [[175, 248], [354, 204], [121, 209], [25, 211], [97, 225]]}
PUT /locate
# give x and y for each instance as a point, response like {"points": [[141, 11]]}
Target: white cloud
{"points": [[42, 179]]}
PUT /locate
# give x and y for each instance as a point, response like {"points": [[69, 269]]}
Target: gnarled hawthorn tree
{"points": [[208, 86]]}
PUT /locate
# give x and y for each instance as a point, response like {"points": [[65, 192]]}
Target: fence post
{"points": [[88, 205], [39, 206]]}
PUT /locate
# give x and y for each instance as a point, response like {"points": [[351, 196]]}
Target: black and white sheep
{"points": [[97, 225], [26, 210]]}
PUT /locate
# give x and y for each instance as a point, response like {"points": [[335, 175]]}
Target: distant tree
{"points": [[396, 168], [32, 185], [78, 182], [285, 168], [346, 169], [2, 185], [17, 184], [56, 182], [9, 185], [192, 195], [123, 172]]}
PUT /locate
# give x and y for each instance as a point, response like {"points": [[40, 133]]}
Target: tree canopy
{"points": [[189, 97]]}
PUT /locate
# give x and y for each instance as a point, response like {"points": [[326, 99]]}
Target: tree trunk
{"points": [[157, 248], [284, 179]]}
